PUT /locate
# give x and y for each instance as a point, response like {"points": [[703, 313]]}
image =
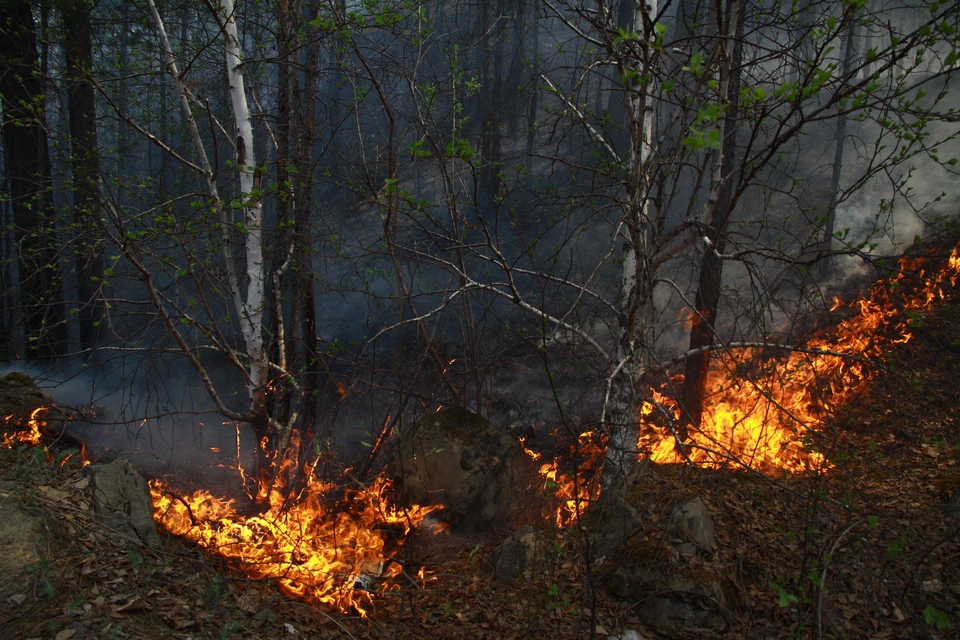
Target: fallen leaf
{"points": [[247, 603], [55, 494], [136, 604], [66, 634], [18, 599], [897, 615], [932, 586]]}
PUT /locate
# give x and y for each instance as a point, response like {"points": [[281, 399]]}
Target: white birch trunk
{"points": [[634, 347], [251, 309]]}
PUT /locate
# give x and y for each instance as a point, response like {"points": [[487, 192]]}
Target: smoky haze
{"points": [[453, 196]]}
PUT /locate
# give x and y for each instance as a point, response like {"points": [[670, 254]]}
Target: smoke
{"points": [[124, 417]]}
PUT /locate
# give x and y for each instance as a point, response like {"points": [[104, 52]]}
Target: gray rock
{"points": [[457, 459], [20, 532], [690, 522], [121, 501], [681, 606], [519, 554]]}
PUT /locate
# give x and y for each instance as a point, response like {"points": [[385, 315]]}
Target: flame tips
{"points": [[763, 420]]}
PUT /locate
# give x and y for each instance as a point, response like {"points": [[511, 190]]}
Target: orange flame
{"points": [[313, 550], [762, 419], [572, 492], [32, 434]]}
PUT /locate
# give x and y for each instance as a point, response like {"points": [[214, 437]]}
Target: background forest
{"points": [[317, 221]]}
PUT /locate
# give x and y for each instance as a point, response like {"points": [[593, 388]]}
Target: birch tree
{"points": [[246, 273]]}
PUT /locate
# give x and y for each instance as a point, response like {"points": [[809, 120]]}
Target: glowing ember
{"points": [[30, 435], [573, 491], [762, 420], [314, 550]]}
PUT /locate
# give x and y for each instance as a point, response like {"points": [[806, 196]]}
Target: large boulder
{"points": [[456, 459], [19, 398], [121, 501]]}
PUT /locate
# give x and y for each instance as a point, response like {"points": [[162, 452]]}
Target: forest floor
{"points": [[869, 549]]}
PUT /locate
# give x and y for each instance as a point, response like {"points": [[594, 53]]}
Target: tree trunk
{"points": [[85, 163], [634, 313], [303, 256], [697, 366], [27, 181], [830, 227], [534, 89]]}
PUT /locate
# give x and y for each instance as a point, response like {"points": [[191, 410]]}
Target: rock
{"points": [[681, 606], [519, 555], [678, 604], [121, 501], [690, 523], [19, 534], [952, 507], [615, 518], [20, 397], [457, 459]]}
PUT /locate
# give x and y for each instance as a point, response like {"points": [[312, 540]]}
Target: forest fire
{"points": [[30, 435], [318, 549], [762, 419], [572, 491]]}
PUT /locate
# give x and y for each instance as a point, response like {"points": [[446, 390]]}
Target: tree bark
{"points": [[534, 88], [697, 366], [634, 317], [303, 252], [830, 226], [85, 164], [27, 181]]}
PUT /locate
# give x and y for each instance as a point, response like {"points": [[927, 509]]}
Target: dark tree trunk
{"points": [[697, 366], [279, 402], [27, 181], [511, 93], [85, 163], [303, 253], [490, 96], [830, 226], [534, 87]]}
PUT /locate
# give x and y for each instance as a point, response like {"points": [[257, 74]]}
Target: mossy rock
{"points": [[456, 459]]}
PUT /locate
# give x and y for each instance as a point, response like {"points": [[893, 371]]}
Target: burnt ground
{"points": [[870, 549]]}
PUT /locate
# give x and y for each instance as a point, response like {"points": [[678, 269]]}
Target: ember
{"points": [[762, 420], [573, 490], [30, 435]]}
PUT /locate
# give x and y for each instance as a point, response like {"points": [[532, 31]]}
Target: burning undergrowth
{"points": [[330, 546], [335, 545], [341, 546], [572, 479], [765, 412]]}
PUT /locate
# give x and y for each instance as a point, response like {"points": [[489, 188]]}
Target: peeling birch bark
{"points": [[251, 309]]}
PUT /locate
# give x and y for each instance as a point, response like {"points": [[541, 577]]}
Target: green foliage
{"points": [[936, 618], [785, 599]]}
